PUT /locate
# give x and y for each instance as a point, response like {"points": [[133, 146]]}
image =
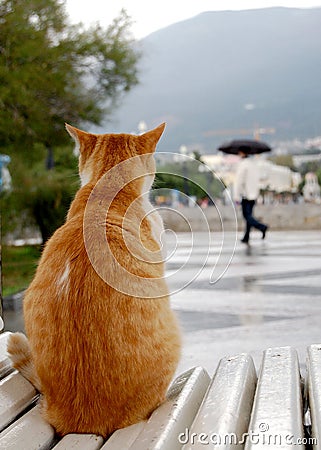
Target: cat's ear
{"points": [[85, 142], [150, 138]]}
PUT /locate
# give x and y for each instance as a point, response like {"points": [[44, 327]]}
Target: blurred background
{"points": [[213, 72]]}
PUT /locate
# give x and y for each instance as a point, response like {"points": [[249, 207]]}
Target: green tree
{"points": [[40, 197], [186, 177], [310, 166], [52, 72]]}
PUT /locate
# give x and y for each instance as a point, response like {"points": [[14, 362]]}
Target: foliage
{"points": [[187, 178], [311, 166], [18, 267], [50, 201], [41, 195], [52, 72]]}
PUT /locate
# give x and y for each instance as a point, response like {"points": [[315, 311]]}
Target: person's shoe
{"points": [[264, 232], [245, 241]]}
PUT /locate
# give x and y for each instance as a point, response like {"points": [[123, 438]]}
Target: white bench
{"points": [[235, 409]]}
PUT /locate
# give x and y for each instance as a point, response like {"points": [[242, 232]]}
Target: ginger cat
{"points": [[101, 356]]}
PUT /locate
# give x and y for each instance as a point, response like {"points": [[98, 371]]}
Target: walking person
{"points": [[246, 190]]}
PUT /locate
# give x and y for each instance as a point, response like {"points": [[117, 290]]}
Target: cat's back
{"points": [[105, 354]]}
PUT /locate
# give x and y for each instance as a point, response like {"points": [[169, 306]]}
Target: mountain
{"points": [[223, 74]]}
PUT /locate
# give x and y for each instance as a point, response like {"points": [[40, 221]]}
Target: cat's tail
{"points": [[20, 354]]}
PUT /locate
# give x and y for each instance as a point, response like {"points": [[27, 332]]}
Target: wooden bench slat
{"points": [[80, 442], [277, 411], [314, 391], [29, 432], [16, 394], [224, 416], [5, 363], [124, 438], [177, 412]]}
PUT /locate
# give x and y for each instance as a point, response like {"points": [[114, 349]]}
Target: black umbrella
{"points": [[248, 146]]}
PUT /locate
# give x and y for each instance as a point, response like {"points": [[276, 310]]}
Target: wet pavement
{"points": [[265, 295], [231, 298]]}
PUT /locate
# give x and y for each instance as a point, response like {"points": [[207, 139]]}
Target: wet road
{"points": [[268, 294], [231, 298]]}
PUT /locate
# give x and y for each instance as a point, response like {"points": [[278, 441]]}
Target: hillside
{"points": [[229, 70]]}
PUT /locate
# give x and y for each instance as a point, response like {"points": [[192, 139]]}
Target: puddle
{"points": [[198, 320]]}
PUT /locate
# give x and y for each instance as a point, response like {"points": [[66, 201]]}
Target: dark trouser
{"points": [[247, 210]]}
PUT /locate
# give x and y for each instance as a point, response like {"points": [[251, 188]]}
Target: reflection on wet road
{"points": [[268, 294]]}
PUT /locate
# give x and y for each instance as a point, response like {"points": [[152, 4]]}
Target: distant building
{"points": [[311, 188], [278, 179]]}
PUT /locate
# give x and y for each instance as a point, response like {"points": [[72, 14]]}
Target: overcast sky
{"points": [[149, 16]]}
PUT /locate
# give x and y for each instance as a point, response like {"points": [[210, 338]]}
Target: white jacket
{"points": [[247, 181]]}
